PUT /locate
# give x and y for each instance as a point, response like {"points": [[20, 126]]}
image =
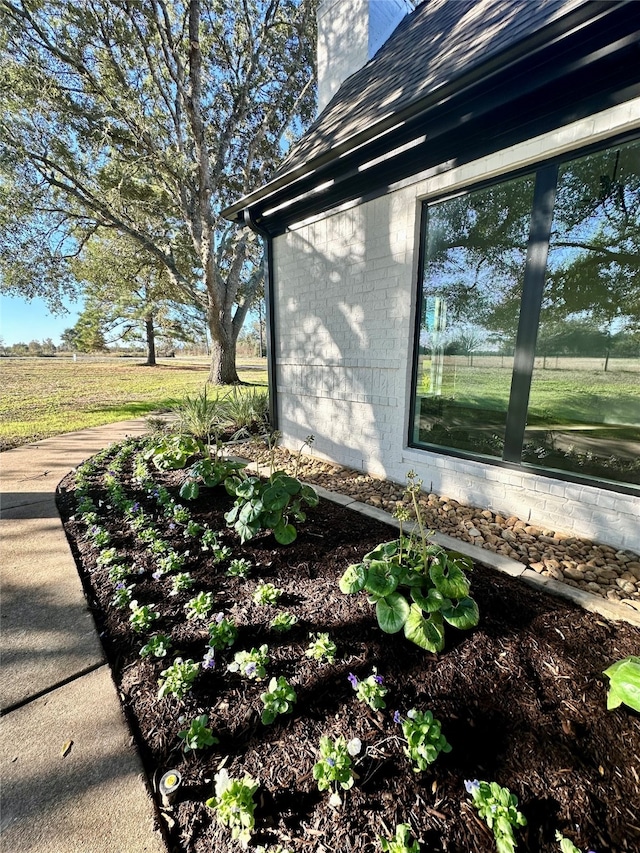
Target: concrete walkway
{"points": [[71, 780]]}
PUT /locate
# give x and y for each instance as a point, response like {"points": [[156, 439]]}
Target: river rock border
{"points": [[557, 558]]}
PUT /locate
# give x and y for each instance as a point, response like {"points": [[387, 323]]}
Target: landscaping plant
{"points": [[624, 683], [283, 622], [499, 808], [334, 766], [425, 740], [267, 593], [415, 585], [370, 690], [197, 736], [278, 698], [234, 804], [222, 633], [400, 842], [322, 647], [156, 647], [251, 664], [178, 678], [268, 505]]}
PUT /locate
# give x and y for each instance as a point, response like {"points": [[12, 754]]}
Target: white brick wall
{"points": [[344, 300]]}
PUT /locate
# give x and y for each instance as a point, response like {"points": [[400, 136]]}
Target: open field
{"points": [[40, 397]]}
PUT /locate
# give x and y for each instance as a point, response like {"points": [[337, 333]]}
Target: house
{"points": [[453, 252]]}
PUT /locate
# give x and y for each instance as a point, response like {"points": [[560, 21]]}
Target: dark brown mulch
{"points": [[521, 698]]}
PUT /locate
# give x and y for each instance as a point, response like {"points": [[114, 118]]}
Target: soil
{"points": [[521, 698]]}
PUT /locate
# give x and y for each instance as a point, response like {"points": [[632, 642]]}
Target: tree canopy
{"points": [[145, 118]]}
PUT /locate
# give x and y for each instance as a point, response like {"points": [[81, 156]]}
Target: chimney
{"points": [[349, 34]]}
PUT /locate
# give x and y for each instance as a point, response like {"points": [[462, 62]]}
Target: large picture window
{"points": [[528, 347]]}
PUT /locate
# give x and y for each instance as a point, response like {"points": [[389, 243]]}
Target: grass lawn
{"points": [[40, 397]]}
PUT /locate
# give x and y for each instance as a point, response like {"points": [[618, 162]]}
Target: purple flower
{"points": [[331, 762], [209, 661], [378, 679], [135, 507], [219, 617], [396, 717], [172, 526], [471, 785], [250, 669], [157, 575], [121, 585], [353, 679]]}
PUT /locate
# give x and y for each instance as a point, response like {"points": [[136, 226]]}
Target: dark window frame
{"points": [[545, 171]]}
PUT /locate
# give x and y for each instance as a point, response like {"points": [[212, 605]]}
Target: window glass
{"points": [[584, 406], [474, 258]]}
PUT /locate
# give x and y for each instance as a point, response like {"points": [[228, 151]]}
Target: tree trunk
{"points": [[223, 364], [151, 341]]}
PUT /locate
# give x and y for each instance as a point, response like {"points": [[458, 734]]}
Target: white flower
{"points": [[335, 801], [354, 746]]}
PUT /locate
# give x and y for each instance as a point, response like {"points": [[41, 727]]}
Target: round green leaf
{"points": [[353, 579], [285, 533], [449, 579], [309, 495], [432, 601], [392, 612], [380, 581], [463, 615], [426, 633], [275, 498], [189, 490]]}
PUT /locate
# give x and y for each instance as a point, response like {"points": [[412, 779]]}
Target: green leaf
{"points": [[309, 495], [463, 615], [426, 633], [245, 488], [275, 498], [245, 530], [380, 581], [624, 685], [353, 579], [251, 511], [433, 601], [285, 533], [189, 490], [392, 612], [288, 484], [449, 578], [232, 515]]}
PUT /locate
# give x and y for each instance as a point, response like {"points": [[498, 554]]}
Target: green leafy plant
{"points": [[142, 618], [624, 683], [251, 664], [123, 594], [245, 411], [169, 452], [400, 842], [370, 690], [181, 583], [222, 633], [199, 416], [178, 678], [267, 593], [208, 472], [283, 622], [278, 698], [239, 568], [119, 572], [156, 647], [107, 556], [234, 804], [415, 585], [424, 737], [322, 647], [171, 561], [268, 505], [499, 808], [200, 606], [192, 530], [566, 845], [197, 736], [334, 766]]}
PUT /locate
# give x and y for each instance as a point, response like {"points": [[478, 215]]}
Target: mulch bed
{"points": [[521, 698]]}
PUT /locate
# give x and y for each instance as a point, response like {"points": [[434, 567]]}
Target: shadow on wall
{"points": [[343, 333]]}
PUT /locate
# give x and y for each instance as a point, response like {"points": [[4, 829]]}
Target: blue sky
{"points": [[22, 321]]}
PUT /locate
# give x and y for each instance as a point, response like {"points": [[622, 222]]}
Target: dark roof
{"points": [[462, 77], [433, 46]]}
